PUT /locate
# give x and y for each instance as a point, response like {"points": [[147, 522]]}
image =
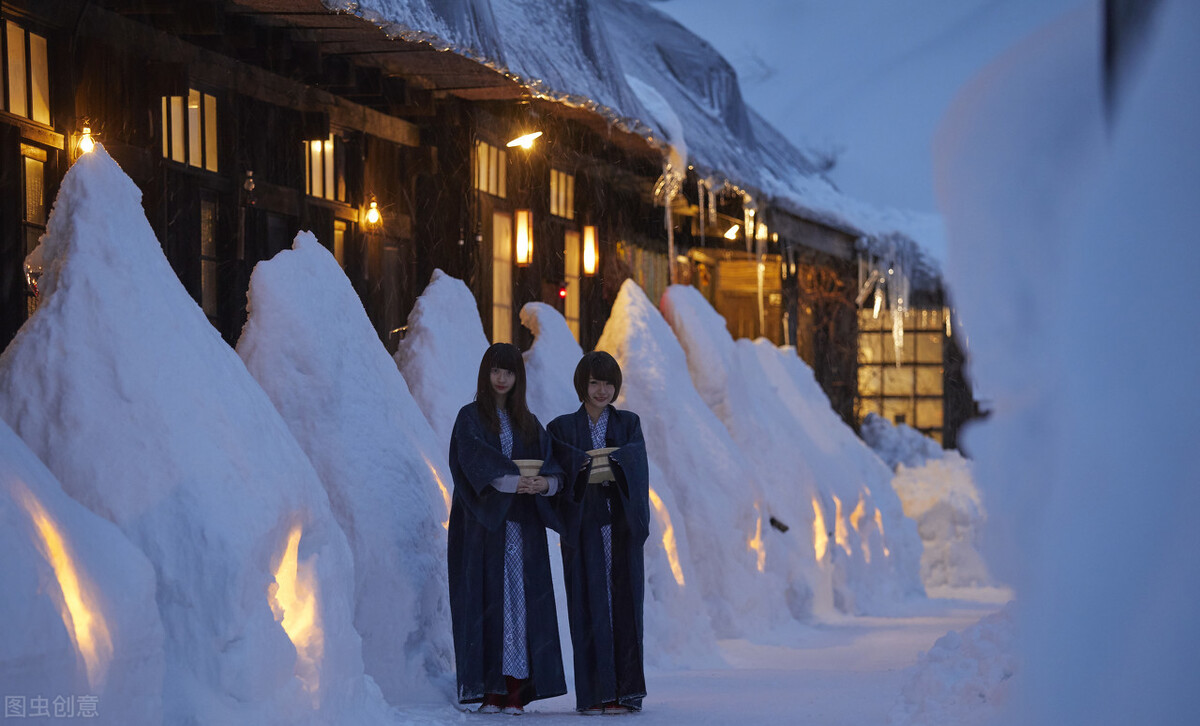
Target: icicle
{"points": [[701, 197], [878, 300]]}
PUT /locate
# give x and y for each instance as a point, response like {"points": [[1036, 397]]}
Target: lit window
{"points": [[325, 168], [28, 73], [491, 169], [571, 255], [190, 129], [339, 242], [562, 194], [33, 218], [502, 261]]}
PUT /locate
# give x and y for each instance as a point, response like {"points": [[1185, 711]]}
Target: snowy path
{"points": [[841, 673]]}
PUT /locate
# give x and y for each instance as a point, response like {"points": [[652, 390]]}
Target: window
{"points": [[27, 73], [501, 278], [325, 168], [339, 242], [190, 131], [911, 392], [33, 213], [562, 194], [208, 257], [571, 268], [491, 169]]}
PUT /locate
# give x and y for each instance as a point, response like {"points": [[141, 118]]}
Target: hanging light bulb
{"points": [[373, 213], [732, 232], [525, 141], [589, 250], [86, 142]]}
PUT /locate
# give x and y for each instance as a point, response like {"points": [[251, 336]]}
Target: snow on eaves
{"points": [[581, 53]]}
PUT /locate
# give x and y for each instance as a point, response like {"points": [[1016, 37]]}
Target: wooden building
{"points": [[245, 121]]}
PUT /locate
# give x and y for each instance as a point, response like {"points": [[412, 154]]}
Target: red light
{"points": [[562, 293]]}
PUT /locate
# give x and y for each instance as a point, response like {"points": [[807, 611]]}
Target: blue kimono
{"points": [[604, 530], [484, 524]]}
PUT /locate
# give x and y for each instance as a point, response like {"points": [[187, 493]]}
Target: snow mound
{"points": [[937, 489], [964, 679], [677, 629], [310, 345], [942, 498], [550, 362], [900, 444], [440, 353], [122, 387], [709, 484], [77, 603], [832, 493]]}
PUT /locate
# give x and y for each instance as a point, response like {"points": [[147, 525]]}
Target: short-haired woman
{"points": [[604, 528]]}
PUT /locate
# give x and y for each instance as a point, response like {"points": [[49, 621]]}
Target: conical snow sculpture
{"points": [[127, 393], [709, 482], [833, 480], [441, 350], [78, 622], [309, 343], [677, 629]]}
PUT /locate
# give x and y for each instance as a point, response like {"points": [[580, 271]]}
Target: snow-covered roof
{"points": [[604, 54]]}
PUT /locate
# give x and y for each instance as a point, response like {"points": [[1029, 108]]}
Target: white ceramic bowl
{"points": [[528, 467]]}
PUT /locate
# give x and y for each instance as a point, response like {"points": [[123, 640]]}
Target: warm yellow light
{"points": [[293, 599], [879, 524], [526, 141], [756, 542], [820, 531], [732, 232], [373, 212], [442, 486], [841, 534], [86, 143], [668, 538], [524, 237], [856, 518], [589, 250], [83, 621], [760, 233]]}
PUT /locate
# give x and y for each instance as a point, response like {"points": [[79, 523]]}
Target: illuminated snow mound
{"points": [[815, 476], [440, 353], [80, 622], [310, 345], [708, 487], [124, 389], [677, 629]]}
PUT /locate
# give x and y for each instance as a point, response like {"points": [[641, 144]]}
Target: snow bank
{"points": [[1090, 357], [77, 606], [441, 350], [937, 489], [900, 444], [863, 566], [310, 345], [965, 678], [710, 484], [127, 393], [550, 363], [677, 629]]}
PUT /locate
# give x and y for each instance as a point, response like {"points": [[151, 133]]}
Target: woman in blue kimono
{"points": [[506, 644], [604, 530]]}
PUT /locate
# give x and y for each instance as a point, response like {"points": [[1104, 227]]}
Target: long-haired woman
{"points": [[506, 642]]}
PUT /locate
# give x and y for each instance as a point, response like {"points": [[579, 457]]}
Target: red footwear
{"points": [[612, 708], [513, 703]]}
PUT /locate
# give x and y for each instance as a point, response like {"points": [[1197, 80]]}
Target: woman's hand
{"points": [[532, 485]]}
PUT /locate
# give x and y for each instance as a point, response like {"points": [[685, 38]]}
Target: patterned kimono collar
{"points": [[598, 429], [506, 433]]}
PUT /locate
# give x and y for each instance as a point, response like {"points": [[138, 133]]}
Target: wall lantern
{"points": [[732, 232], [525, 141], [86, 142], [373, 217], [524, 237], [589, 250]]}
